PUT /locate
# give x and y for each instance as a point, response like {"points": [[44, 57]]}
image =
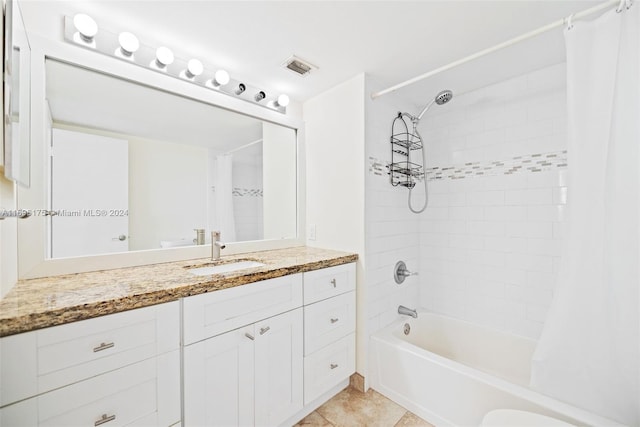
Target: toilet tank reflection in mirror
{"points": [[135, 168]]}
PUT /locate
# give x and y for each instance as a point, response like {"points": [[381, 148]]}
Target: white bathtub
{"points": [[452, 372]]}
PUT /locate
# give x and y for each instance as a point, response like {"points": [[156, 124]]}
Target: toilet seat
{"points": [[514, 417]]}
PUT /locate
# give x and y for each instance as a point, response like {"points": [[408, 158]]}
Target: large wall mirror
{"points": [[132, 168]]}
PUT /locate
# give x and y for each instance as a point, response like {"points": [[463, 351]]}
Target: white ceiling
{"points": [[390, 40]]}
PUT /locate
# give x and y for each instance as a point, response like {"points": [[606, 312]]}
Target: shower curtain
{"points": [[223, 183], [589, 350]]}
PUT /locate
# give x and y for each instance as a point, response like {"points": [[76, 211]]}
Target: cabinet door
{"points": [[279, 368], [218, 380]]}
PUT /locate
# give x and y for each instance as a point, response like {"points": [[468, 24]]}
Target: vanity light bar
{"points": [[82, 30]]}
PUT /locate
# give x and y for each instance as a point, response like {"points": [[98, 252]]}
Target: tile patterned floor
{"points": [[352, 408]]}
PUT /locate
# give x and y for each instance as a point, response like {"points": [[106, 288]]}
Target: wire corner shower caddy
{"points": [[402, 170]]}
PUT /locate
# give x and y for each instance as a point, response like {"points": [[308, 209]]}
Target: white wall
{"points": [[335, 153], [490, 239]]}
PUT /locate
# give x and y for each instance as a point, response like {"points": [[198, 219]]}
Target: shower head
{"points": [[444, 97], [441, 98]]}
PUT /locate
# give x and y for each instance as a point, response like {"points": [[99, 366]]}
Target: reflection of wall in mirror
{"points": [[167, 192], [279, 183], [247, 195]]}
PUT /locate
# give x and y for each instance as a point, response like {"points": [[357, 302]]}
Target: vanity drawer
{"points": [[214, 313], [145, 393], [328, 282], [328, 321], [327, 367], [66, 354]]}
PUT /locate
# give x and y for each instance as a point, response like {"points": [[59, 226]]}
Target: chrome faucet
{"points": [[216, 245], [407, 311]]}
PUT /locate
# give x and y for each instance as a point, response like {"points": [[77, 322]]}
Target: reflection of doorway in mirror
{"points": [[89, 194]]}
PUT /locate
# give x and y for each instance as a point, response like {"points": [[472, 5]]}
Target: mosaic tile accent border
{"points": [[244, 192], [531, 163]]}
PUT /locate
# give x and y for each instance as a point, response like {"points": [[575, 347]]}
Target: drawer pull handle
{"points": [[264, 330], [333, 365], [333, 282], [104, 419], [103, 346], [248, 335], [334, 319]]}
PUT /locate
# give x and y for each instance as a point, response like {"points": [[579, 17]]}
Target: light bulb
{"points": [[128, 43], [283, 101], [86, 26], [241, 88], [164, 57], [194, 68], [221, 78]]}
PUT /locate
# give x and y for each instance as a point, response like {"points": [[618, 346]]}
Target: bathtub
{"points": [[451, 372]]}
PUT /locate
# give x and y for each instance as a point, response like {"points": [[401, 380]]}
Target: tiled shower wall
{"points": [[391, 230], [490, 239]]}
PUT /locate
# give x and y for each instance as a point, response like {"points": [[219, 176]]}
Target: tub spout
{"points": [[407, 311]]}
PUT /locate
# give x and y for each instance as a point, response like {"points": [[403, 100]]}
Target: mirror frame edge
{"points": [[32, 232]]}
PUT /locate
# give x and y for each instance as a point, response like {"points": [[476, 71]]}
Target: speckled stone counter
{"points": [[40, 303]]}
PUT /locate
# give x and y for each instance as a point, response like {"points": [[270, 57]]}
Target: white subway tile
{"points": [[466, 241], [514, 292], [505, 213], [506, 274], [457, 199], [543, 179], [544, 247], [536, 279], [529, 229], [486, 198], [530, 262], [488, 288], [435, 213], [545, 213], [506, 244], [486, 138], [540, 196], [486, 228], [537, 296]]}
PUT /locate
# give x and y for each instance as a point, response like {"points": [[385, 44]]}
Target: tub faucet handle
{"points": [[400, 272]]}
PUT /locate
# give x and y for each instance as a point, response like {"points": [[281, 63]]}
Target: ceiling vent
{"points": [[299, 66]]}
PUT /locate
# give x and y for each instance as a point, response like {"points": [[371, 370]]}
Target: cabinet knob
{"points": [[264, 330], [248, 335], [333, 282], [103, 346], [104, 419], [333, 365], [334, 319]]}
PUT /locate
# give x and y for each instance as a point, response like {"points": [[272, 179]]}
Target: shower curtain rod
{"points": [[499, 46]]}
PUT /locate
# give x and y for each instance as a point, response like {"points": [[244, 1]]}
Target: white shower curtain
{"points": [[589, 351], [223, 183]]}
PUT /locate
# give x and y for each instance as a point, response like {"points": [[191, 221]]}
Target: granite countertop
{"points": [[39, 303]]}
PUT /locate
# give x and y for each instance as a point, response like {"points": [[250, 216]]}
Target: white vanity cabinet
{"points": [[120, 369], [249, 371], [329, 328]]}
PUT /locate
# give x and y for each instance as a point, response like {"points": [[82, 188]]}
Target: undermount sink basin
{"points": [[225, 268]]}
